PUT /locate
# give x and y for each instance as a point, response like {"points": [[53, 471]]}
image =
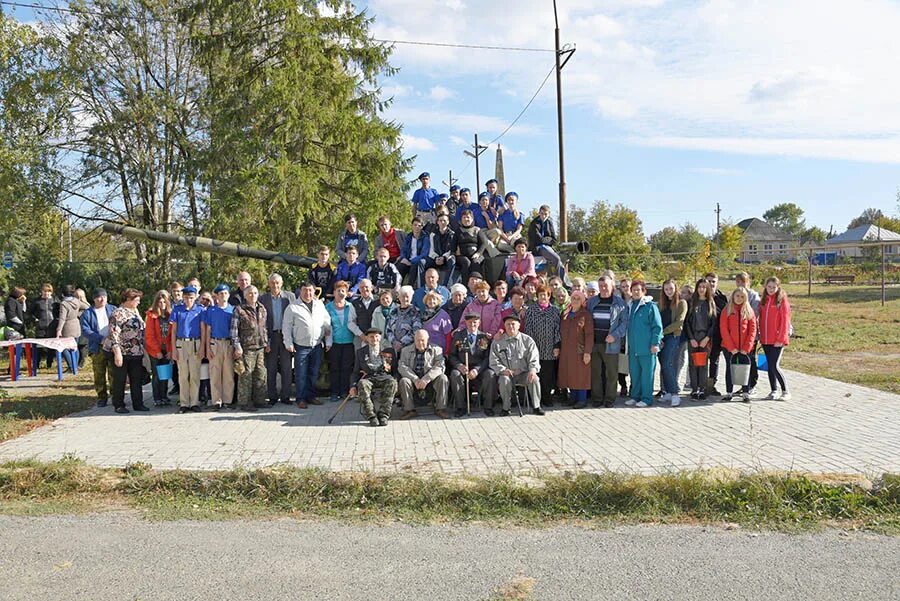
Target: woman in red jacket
{"points": [[158, 344], [738, 328], [775, 333]]}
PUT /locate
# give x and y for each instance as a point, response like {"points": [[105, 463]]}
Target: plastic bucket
{"points": [[740, 371], [762, 363], [204, 371], [623, 364], [698, 357], [164, 371]]}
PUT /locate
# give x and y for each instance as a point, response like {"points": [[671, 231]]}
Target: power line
{"points": [[522, 112], [81, 11]]}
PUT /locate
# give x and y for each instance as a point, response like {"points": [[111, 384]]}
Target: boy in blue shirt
{"points": [[424, 200], [350, 271], [216, 327]]}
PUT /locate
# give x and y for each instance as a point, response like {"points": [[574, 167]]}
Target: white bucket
{"points": [[740, 372], [204, 371]]}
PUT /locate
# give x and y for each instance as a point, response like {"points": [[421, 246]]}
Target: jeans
{"points": [[552, 258], [307, 361], [667, 356]]}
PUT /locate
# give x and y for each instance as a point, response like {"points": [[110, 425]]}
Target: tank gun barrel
{"points": [[208, 245]]}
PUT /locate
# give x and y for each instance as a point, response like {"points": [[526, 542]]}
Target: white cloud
{"points": [[463, 123], [414, 143], [715, 171], [794, 77], [440, 93], [395, 91], [873, 150], [457, 141]]}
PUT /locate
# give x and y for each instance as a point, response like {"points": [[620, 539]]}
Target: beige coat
{"points": [[434, 363], [70, 310]]}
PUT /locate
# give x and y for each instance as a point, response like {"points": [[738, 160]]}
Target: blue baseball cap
{"points": [[491, 181], [454, 188], [424, 174], [465, 190], [508, 194], [484, 195], [443, 196], [189, 290], [221, 288]]}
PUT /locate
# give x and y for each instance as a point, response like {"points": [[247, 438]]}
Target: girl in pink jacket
{"points": [[774, 333]]}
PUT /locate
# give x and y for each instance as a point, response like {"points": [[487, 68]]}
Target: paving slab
{"points": [[828, 427]]}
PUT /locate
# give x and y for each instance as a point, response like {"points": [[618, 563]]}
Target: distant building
{"points": [[764, 242], [847, 244]]}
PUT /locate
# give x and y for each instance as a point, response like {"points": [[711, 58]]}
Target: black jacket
{"points": [[479, 354], [45, 313], [363, 315], [15, 315], [382, 369], [534, 234]]}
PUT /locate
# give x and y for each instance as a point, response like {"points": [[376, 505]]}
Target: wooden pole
{"points": [[809, 274]]}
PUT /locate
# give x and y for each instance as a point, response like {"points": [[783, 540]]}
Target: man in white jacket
{"points": [[305, 326]]}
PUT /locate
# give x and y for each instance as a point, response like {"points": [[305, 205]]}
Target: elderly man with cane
{"points": [[373, 378], [469, 358], [516, 361]]}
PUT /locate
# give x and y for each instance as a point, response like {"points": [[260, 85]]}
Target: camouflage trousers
{"points": [[383, 390], [252, 383]]}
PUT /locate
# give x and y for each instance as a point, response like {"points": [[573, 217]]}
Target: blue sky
{"points": [[670, 106]]}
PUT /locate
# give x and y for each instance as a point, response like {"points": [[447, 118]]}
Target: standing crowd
{"points": [[470, 308]]}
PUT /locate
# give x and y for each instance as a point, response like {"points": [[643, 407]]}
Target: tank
{"points": [[208, 245]]}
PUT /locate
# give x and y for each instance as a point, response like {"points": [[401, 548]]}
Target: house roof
{"points": [[757, 229], [863, 233]]}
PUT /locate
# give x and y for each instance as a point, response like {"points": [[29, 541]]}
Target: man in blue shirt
{"points": [[350, 270], [185, 331], [414, 253], [424, 200], [431, 284], [465, 202], [511, 222], [216, 329], [495, 201]]}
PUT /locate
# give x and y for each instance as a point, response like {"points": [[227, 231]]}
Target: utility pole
{"points": [[450, 181], [718, 232], [561, 53], [479, 148]]}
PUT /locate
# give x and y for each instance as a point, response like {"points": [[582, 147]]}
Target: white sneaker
{"points": [[630, 403], [667, 397], [785, 396], [675, 400], [641, 404], [772, 396]]}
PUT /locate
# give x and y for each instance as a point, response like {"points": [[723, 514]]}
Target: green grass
{"points": [[843, 332], [24, 411], [778, 501]]}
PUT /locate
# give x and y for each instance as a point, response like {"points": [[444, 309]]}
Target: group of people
{"points": [[423, 321]]}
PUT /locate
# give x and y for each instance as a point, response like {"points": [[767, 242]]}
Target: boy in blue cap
{"points": [[424, 199], [185, 332], [216, 329]]}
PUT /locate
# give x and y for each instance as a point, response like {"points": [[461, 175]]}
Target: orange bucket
{"points": [[698, 357]]}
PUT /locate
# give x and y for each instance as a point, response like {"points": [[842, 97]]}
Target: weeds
{"points": [[786, 502]]}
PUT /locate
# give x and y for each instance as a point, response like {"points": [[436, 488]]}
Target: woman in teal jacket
{"points": [[644, 338]]}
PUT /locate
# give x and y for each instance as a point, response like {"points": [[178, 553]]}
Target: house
{"points": [[848, 244], [763, 242]]}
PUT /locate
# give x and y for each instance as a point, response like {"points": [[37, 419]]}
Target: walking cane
{"points": [[339, 409], [518, 402], [468, 397]]}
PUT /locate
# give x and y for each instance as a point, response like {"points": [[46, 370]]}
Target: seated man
{"points": [[351, 271], [516, 361], [542, 239], [414, 254], [382, 273], [443, 250], [373, 378], [422, 368], [469, 358], [510, 222]]}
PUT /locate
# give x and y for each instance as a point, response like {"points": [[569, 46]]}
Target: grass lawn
{"points": [[23, 409], [843, 333], [788, 502]]}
